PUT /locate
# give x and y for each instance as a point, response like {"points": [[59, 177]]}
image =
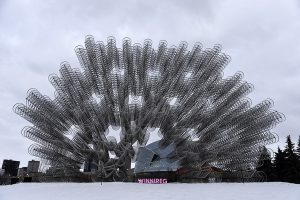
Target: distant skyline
{"points": [[262, 38]]}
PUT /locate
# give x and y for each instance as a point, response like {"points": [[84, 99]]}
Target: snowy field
{"points": [[135, 191]]}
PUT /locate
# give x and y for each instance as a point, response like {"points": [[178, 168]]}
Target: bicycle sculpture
{"points": [[137, 89]]}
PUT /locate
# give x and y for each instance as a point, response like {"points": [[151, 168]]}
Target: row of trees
{"points": [[286, 164]]}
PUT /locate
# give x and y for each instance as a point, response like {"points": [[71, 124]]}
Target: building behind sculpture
{"points": [[90, 166], [11, 167], [153, 158], [22, 171], [33, 166], [2, 172]]}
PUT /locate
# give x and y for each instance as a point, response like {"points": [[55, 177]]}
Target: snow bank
{"points": [[135, 191]]}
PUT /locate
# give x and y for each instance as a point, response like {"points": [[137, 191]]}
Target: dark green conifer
{"points": [[265, 164], [290, 170]]}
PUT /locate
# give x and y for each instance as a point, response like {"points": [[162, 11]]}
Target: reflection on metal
{"points": [[136, 88]]}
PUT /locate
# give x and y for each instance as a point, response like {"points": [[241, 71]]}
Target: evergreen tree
{"points": [[289, 148], [265, 164], [298, 161], [298, 148], [279, 165], [290, 170]]}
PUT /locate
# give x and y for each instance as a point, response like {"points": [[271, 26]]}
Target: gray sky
{"points": [[261, 36]]}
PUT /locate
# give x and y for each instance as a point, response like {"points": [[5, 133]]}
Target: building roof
{"points": [[154, 157]]}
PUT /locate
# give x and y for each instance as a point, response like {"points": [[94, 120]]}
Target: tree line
{"points": [[285, 166]]}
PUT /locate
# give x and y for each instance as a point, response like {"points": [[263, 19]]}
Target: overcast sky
{"points": [[261, 36]]}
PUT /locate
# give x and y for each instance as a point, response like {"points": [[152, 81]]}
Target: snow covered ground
{"points": [[135, 191]]}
